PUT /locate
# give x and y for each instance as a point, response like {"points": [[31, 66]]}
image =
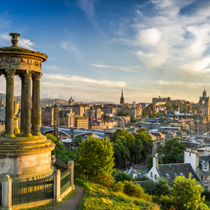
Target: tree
{"points": [[186, 194], [169, 106], [146, 140], [121, 176], [94, 159], [161, 187], [173, 151], [77, 139], [124, 146], [153, 115], [144, 113], [123, 114], [60, 151]]}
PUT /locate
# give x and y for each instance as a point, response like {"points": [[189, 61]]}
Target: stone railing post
{"points": [[57, 185], [71, 166], [7, 193]]}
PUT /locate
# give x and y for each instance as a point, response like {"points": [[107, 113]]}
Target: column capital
{"points": [[37, 75], [10, 72], [28, 74]]}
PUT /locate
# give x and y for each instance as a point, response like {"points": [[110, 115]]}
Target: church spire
{"points": [[122, 98]]}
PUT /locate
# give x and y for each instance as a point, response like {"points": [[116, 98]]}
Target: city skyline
{"points": [[97, 48]]}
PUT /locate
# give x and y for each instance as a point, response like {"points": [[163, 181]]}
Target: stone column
{"points": [[71, 166], [36, 103], [9, 102], [57, 185], [22, 101], [55, 126], [7, 193], [27, 104]]}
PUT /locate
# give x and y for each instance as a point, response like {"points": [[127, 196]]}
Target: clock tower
{"points": [[202, 119], [204, 105]]}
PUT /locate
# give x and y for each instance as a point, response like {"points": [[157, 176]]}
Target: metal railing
{"points": [[65, 181], [30, 191]]}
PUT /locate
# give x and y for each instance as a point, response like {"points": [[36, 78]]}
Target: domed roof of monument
{"points": [[14, 49]]}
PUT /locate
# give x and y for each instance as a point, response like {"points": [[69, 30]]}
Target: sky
{"points": [[96, 48]]}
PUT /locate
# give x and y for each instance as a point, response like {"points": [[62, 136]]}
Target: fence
{"points": [[65, 180], [30, 191], [19, 195]]}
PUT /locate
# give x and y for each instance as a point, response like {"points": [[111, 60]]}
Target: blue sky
{"points": [[96, 48]]}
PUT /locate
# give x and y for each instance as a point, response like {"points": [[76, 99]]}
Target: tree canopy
{"points": [[186, 194], [129, 146], [60, 151], [173, 151], [94, 159]]}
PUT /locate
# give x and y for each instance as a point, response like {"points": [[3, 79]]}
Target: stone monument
{"points": [[24, 155]]}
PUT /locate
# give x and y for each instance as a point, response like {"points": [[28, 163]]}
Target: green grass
{"points": [[44, 207], [97, 197]]}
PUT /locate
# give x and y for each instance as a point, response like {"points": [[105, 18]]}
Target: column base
{"points": [[9, 135], [36, 134], [27, 135]]}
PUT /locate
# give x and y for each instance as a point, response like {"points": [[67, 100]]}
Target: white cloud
{"points": [[87, 6], [196, 66], [161, 82], [78, 79], [25, 43], [70, 47], [152, 60], [149, 37], [122, 68]]}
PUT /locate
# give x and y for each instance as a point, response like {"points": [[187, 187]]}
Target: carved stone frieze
{"points": [[11, 60]]}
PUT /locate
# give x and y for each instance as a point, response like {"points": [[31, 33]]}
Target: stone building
{"points": [[81, 122], [202, 119], [66, 118], [47, 116]]}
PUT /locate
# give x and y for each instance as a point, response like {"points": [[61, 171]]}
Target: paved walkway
{"points": [[72, 203]]}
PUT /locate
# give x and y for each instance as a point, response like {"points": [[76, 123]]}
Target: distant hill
{"points": [[43, 101], [50, 101]]}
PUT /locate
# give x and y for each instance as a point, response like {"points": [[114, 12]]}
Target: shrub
{"points": [[121, 176], [206, 193], [166, 202], [118, 187], [105, 180], [135, 190]]}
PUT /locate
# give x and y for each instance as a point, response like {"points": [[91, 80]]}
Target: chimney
{"points": [[155, 161]]}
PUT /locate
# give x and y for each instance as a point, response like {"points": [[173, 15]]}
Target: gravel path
{"points": [[72, 203]]}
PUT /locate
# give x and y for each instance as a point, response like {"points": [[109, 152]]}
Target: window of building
{"points": [[150, 174]]}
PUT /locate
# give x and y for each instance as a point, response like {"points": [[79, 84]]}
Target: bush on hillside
{"points": [[135, 190], [118, 187], [121, 176]]}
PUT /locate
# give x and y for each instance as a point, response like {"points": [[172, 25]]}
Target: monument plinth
{"points": [[24, 155]]}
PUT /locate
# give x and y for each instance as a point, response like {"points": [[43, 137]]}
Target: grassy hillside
{"points": [[98, 197]]}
